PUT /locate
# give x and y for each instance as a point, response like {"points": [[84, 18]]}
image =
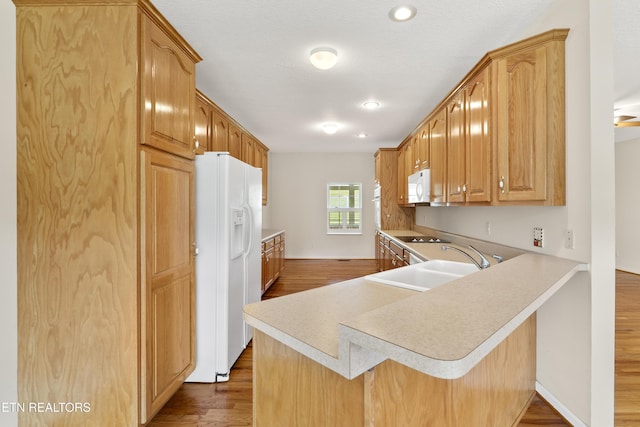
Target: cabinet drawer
{"points": [[269, 244]]}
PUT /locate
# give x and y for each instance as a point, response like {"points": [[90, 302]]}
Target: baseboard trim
{"points": [[559, 406]]}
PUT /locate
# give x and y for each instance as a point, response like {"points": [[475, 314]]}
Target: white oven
{"points": [[376, 206]]}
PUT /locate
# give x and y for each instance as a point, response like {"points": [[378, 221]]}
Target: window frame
{"points": [[344, 229]]}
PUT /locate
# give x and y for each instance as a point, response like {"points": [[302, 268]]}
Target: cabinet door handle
{"points": [[501, 184], [464, 188]]}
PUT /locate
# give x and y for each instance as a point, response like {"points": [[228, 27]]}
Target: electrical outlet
{"points": [[569, 242], [538, 237], [488, 228]]}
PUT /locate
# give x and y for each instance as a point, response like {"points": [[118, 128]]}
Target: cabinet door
{"points": [[168, 93], [521, 126], [220, 134], [203, 124], [401, 196], [167, 283], [438, 138], [456, 163], [478, 154], [261, 161], [235, 141], [248, 148], [415, 152], [423, 146]]}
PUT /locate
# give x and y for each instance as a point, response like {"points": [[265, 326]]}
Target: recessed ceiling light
{"points": [[323, 58], [362, 135], [330, 128], [371, 105], [402, 13]]}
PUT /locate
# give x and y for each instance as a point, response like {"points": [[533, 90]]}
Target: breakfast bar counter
{"points": [[481, 325]]}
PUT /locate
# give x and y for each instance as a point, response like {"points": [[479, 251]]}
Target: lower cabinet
{"points": [[272, 260], [389, 255]]}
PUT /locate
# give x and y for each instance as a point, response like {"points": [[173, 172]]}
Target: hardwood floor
{"points": [[230, 403], [627, 371]]}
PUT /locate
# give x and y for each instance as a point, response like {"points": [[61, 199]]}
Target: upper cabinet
{"points": [[478, 142], [438, 142], [468, 143], [528, 89], [168, 92], [404, 151], [220, 134], [203, 123], [456, 184], [498, 138], [215, 130]]}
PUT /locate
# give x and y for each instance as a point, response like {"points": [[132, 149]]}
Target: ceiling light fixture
{"points": [[362, 135], [402, 13], [371, 105], [330, 128], [323, 58]]}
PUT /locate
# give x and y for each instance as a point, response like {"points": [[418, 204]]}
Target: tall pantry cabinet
{"points": [[105, 128]]}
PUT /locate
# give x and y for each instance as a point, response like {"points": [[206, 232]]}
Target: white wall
{"points": [[8, 288], [298, 203], [628, 206], [576, 327]]}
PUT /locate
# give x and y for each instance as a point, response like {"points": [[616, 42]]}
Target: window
{"points": [[344, 208]]}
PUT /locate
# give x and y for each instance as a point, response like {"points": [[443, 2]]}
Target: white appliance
{"points": [[376, 206], [228, 265], [419, 190]]}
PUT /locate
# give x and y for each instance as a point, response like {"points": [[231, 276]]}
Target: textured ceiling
{"points": [[256, 63]]}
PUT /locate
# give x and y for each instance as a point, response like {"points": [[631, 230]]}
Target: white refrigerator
{"points": [[228, 264]]}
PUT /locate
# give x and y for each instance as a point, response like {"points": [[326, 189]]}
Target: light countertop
{"points": [[269, 233], [352, 326]]}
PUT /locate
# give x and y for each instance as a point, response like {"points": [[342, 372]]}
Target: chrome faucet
{"points": [[484, 263]]}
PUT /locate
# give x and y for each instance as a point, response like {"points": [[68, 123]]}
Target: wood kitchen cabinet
{"points": [[456, 149], [235, 141], [403, 174], [203, 124], [220, 134], [168, 92], [478, 139], [389, 255], [498, 138], [168, 322], [248, 149], [267, 264], [438, 143], [106, 293], [468, 143], [392, 216], [529, 120], [261, 160], [272, 260]]}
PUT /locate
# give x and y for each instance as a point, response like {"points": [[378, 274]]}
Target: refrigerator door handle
{"points": [[248, 224]]}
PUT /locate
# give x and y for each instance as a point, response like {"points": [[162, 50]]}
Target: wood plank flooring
{"points": [[627, 370], [230, 403]]}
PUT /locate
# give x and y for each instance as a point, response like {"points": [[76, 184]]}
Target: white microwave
{"points": [[420, 187]]}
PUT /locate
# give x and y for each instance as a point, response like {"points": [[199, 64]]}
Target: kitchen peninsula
{"points": [[360, 352]]}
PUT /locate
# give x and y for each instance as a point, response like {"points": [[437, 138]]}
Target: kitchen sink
{"points": [[451, 267], [423, 276]]}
